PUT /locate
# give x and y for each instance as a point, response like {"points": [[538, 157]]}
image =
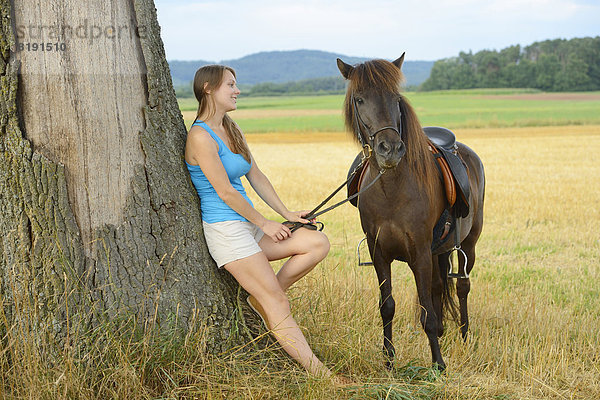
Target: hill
{"points": [[288, 66]]}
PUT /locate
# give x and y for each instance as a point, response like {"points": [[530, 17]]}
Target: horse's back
{"points": [[474, 167], [476, 174]]}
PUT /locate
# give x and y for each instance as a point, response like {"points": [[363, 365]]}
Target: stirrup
{"points": [[457, 274], [362, 263]]}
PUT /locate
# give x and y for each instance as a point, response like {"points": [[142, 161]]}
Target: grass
{"points": [[534, 303], [469, 110], [493, 108], [282, 102]]}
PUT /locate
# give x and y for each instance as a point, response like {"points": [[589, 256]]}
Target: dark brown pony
{"points": [[399, 212]]}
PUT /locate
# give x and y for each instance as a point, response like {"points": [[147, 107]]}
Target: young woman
{"points": [[239, 238]]}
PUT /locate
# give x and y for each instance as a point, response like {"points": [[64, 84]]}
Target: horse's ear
{"points": [[398, 62], [344, 68]]}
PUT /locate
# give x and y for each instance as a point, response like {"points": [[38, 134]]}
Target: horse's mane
{"points": [[383, 76]]}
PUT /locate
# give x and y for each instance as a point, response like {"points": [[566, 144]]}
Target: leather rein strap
{"points": [[315, 212]]}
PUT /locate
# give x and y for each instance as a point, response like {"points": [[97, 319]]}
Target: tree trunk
{"points": [[99, 218]]}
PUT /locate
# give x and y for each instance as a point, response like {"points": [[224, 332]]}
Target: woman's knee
{"points": [[320, 245]]}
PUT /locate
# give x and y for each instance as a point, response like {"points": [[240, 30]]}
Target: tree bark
{"points": [[99, 218]]}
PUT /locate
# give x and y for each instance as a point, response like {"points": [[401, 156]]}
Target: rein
{"points": [[315, 212]]}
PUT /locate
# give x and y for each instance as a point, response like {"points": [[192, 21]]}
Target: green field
{"points": [[454, 109]]}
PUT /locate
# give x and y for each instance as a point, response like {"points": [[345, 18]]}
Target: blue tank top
{"points": [[213, 208]]}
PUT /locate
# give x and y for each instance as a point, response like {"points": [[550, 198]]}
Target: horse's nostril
{"points": [[384, 148], [400, 149]]}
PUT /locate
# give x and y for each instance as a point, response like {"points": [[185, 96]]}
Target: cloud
{"points": [[428, 29]]}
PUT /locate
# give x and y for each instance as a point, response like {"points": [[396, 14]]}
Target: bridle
{"points": [[367, 153], [358, 122]]}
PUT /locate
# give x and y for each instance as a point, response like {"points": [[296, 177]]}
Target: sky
{"points": [[219, 30]]}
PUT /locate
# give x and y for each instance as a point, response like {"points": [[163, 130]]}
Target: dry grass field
{"points": [[535, 304]]}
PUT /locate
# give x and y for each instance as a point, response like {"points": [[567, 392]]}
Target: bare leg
{"points": [[255, 275], [305, 248]]}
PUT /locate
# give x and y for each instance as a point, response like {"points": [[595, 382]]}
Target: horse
{"points": [[399, 212]]}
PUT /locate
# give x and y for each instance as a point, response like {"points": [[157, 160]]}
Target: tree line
{"points": [[310, 87], [552, 65], [314, 86]]}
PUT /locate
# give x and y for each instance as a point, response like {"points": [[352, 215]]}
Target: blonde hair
{"points": [[210, 77]]}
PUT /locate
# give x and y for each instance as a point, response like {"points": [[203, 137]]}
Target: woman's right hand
{"points": [[276, 230]]}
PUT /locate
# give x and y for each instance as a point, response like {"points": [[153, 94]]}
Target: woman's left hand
{"points": [[298, 216]]}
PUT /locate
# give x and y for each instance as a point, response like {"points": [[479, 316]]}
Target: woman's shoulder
{"points": [[200, 141], [198, 133]]}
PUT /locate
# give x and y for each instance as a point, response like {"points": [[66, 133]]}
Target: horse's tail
{"points": [[449, 305]]}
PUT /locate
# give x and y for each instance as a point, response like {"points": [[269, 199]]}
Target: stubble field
{"points": [[534, 303], [535, 293], [535, 298]]}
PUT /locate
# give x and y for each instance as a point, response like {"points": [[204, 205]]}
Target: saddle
{"points": [[442, 144]]}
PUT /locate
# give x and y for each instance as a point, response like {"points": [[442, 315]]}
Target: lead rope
{"points": [[293, 226], [367, 151]]}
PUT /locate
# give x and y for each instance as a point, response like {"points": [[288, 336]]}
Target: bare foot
{"points": [[257, 309], [342, 381]]}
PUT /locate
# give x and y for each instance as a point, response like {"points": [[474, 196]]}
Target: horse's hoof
{"points": [[389, 365], [441, 367], [465, 335]]}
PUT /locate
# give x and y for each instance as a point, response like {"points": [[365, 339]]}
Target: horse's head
{"points": [[372, 108]]}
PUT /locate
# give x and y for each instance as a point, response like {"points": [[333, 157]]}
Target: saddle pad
{"points": [[449, 184], [460, 175], [354, 185]]}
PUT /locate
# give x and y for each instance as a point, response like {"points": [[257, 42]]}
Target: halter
{"points": [[371, 138], [367, 152]]}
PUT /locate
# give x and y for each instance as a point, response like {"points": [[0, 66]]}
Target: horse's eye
{"points": [[359, 100]]}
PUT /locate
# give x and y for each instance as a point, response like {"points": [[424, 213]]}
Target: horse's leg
{"points": [[387, 305], [422, 269], [463, 287], [437, 289]]}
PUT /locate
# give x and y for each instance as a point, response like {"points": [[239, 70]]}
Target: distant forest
{"points": [[552, 65], [313, 86], [558, 65]]}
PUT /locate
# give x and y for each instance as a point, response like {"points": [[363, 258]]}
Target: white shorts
{"points": [[232, 240]]}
